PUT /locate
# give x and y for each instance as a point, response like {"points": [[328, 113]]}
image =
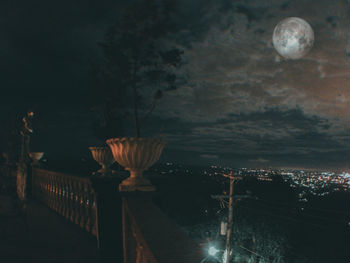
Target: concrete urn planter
{"points": [[136, 155], [36, 157], [104, 157]]}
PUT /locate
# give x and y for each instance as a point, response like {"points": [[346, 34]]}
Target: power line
{"points": [[309, 208], [306, 214], [292, 219], [283, 217], [206, 258], [251, 251]]}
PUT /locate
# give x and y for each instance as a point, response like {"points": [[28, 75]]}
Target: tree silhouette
{"points": [[139, 58]]}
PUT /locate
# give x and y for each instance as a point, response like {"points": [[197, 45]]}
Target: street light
{"points": [[213, 255], [213, 251]]}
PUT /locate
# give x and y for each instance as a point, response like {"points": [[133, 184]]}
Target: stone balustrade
{"points": [[70, 196], [129, 227]]}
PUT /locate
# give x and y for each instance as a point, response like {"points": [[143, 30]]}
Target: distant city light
{"points": [[345, 175], [305, 182]]}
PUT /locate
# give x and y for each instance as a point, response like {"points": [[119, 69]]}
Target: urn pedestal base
{"points": [[104, 171], [136, 184]]}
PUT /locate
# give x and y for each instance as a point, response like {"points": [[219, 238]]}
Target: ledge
{"points": [[161, 238]]}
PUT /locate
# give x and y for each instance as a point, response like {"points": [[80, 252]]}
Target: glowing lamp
{"points": [[212, 251]]}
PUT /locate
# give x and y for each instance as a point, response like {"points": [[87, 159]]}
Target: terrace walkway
{"points": [[42, 236]]}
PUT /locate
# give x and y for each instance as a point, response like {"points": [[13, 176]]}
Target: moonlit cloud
{"points": [[235, 71]]}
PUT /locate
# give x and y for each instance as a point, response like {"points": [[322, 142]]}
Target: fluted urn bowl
{"points": [[36, 157], [104, 157], [136, 155]]}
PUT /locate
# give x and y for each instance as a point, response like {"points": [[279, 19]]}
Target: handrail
{"points": [[70, 196]]}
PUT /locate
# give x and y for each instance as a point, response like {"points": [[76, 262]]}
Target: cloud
{"points": [[243, 98], [259, 160], [235, 70], [209, 156]]}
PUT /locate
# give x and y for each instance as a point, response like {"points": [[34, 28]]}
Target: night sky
{"points": [[242, 105]]}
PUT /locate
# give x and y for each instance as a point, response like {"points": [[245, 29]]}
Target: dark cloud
{"points": [[279, 137]]}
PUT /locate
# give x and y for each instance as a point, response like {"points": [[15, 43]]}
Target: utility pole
{"points": [[232, 198], [230, 216]]}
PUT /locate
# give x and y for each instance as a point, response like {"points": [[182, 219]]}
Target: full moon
{"points": [[293, 38]]}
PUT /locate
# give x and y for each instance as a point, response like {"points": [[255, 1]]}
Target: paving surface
{"points": [[41, 236]]}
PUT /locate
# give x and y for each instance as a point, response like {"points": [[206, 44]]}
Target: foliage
{"points": [[139, 59], [261, 237]]}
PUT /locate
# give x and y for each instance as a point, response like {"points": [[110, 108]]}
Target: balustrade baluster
{"points": [[81, 203], [83, 206], [69, 199], [56, 186], [68, 189], [78, 204], [49, 191], [58, 189], [52, 183], [37, 187], [54, 194], [93, 212], [64, 197], [88, 207], [33, 187], [59, 198], [73, 215], [43, 187]]}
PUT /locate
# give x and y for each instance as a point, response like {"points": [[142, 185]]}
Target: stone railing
{"points": [[70, 196], [149, 236], [129, 227]]}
